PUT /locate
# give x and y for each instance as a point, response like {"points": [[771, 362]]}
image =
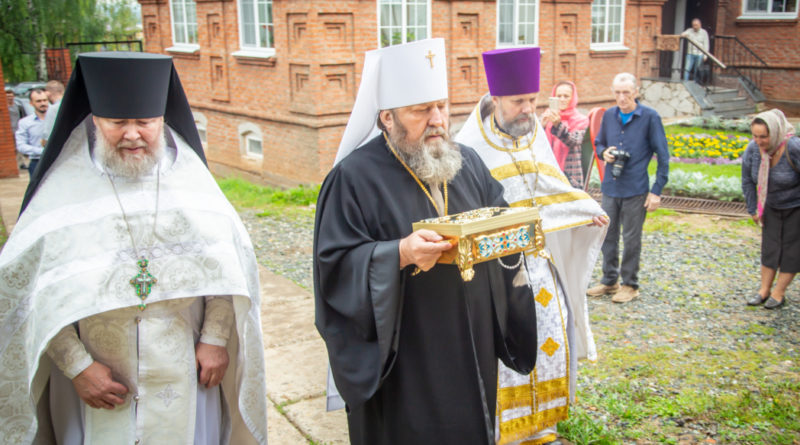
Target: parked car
{"points": [[23, 89]]}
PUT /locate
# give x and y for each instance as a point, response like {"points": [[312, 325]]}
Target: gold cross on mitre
{"points": [[430, 57]]}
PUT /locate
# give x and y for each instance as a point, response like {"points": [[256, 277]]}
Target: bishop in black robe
{"points": [[414, 356]]}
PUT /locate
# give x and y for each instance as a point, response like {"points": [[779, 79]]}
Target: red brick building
{"points": [[272, 82], [756, 37], [770, 29], [8, 153]]}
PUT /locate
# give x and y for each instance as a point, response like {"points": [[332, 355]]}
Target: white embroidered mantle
{"points": [[70, 258]]}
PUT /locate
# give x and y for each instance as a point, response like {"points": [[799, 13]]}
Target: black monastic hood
{"points": [[122, 85]]}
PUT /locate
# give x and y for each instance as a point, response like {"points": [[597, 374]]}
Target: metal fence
{"points": [[76, 48]]}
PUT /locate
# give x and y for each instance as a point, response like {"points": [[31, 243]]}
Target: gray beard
{"points": [[433, 163], [132, 166], [517, 127]]}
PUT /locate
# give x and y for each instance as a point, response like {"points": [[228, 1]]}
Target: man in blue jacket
{"points": [[629, 136]]}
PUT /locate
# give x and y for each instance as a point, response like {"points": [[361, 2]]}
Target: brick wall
{"points": [[300, 99], [59, 64], [8, 153], [774, 41]]}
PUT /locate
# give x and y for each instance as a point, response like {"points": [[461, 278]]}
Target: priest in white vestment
{"points": [[505, 132], [129, 297]]}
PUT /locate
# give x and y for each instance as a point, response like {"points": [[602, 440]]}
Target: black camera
{"points": [[620, 158]]}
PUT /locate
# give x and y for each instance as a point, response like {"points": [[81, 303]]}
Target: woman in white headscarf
{"points": [[771, 186]]}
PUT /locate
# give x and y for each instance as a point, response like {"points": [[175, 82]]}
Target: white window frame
{"points": [[404, 20], [610, 46], [185, 45], [768, 15], [515, 25], [249, 131], [201, 122], [251, 137], [257, 51]]}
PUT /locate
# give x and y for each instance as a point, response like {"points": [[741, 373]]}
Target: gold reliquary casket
{"points": [[487, 233]]}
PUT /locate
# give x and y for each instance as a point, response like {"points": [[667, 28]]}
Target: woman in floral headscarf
{"points": [[565, 131], [771, 186]]}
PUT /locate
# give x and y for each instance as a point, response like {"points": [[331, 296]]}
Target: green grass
{"points": [[650, 395], [726, 170], [659, 221], [3, 234], [655, 385], [294, 203]]}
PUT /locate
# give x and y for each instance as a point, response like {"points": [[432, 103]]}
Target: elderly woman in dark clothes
{"points": [[771, 186]]}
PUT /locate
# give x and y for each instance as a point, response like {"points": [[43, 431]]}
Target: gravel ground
{"points": [[693, 286], [282, 246], [687, 278]]}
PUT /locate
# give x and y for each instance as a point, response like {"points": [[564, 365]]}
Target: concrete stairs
{"points": [[728, 102], [729, 97]]}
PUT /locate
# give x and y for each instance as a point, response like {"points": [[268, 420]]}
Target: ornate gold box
{"points": [[485, 234]]}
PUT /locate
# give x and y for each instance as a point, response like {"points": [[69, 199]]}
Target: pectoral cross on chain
{"points": [[143, 282], [430, 57]]}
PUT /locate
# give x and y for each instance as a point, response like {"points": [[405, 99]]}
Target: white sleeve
{"points": [[217, 322], [69, 353], [49, 122]]}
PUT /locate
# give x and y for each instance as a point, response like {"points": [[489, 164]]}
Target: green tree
{"points": [[27, 27], [17, 47], [123, 19]]}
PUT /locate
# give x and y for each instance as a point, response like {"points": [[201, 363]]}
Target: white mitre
{"points": [[393, 77]]}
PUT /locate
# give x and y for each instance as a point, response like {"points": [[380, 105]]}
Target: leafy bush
{"points": [[245, 194], [717, 123], [698, 185]]}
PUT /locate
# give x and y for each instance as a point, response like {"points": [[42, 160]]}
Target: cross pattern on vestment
{"points": [[143, 282], [430, 57], [167, 395]]}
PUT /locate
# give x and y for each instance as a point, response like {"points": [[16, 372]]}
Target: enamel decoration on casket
{"points": [[485, 234]]}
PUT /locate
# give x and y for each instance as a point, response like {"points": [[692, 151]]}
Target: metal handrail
{"points": [[705, 52], [75, 47], [744, 63], [745, 47], [105, 42]]}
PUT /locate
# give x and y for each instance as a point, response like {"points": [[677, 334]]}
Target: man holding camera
{"points": [[629, 136]]}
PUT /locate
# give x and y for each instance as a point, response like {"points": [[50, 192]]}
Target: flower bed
{"points": [[716, 148]]}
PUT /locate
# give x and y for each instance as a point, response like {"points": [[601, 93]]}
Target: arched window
{"points": [[250, 140], [201, 122]]}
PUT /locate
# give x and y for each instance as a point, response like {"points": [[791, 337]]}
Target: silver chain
{"points": [[532, 191], [530, 135], [519, 262], [125, 216]]}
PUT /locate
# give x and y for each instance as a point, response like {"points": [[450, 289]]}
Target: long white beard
{"points": [[434, 162], [131, 165]]}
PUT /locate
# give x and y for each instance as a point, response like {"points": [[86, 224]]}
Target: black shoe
{"points": [[757, 300], [774, 304]]}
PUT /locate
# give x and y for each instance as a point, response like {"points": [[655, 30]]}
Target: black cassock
{"points": [[401, 346]]}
